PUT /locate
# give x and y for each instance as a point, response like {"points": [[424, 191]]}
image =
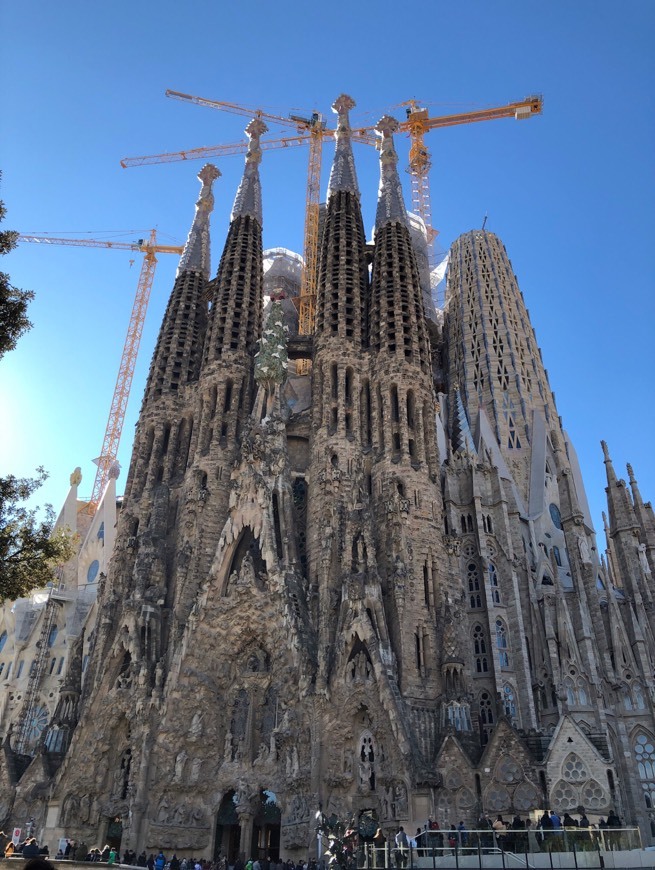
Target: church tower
{"points": [[374, 589]]}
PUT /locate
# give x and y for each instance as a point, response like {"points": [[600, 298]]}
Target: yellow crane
{"points": [[419, 123], [313, 130], [149, 248]]}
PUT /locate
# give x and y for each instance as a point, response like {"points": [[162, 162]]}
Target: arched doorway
{"points": [[266, 827], [228, 830], [114, 833]]}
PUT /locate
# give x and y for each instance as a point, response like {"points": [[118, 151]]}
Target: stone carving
{"points": [[195, 731], [294, 836], [643, 560], [180, 815], [180, 762], [400, 801], [583, 547], [298, 810]]}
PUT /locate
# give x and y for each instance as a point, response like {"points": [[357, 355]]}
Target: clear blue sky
{"points": [[570, 193]]}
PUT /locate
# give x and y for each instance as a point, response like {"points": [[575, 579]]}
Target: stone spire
{"points": [[621, 510], [343, 267], [397, 321], [343, 175], [391, 206], [634, 486], [177, 355], [248, 200], [236, 311], [195, 257], [609, 468], [462, 439]]}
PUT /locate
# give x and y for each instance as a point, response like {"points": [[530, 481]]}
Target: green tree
{"points": [[29, 550], [13, 302]]}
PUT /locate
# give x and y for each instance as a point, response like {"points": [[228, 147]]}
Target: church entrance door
{"points": [[115, 833], [228, 831], [266, 827]]}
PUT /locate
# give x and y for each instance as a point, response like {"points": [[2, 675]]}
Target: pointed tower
{"points": [[176, 359], [461, 438], [492, 350], [407, 500], [225, 387], [341, 426]]}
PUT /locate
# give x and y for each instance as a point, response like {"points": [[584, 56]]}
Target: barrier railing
{"points": [[511, 849]]}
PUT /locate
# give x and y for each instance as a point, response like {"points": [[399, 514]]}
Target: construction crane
{"points": [[114, 428], [313, 130], [418, 123]]}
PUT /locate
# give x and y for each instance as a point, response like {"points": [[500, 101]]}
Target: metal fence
{"points": [[565, 849]]}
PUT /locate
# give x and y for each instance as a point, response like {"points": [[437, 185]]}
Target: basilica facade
{"points": [[353, 570]]}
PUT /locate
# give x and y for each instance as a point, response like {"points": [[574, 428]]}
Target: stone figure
{"points": [[180, 762], [195, 731], [643, 561], [196, 767], [583, 547], [400, 801], [365, 771]]}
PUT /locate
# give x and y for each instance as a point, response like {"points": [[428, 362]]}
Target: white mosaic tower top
{"points": [[195, 257], [391, 205], [248, 200], [342, 174]]}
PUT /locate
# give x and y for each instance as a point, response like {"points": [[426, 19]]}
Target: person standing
{"points": [[402, 846]]}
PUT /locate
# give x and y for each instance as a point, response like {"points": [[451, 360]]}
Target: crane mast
{"points": [[313, 130], [114, 428]]}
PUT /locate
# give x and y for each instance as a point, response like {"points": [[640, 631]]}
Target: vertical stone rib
{"points": [[177, 355], [397, 318], [343, 272], [236, 312]]}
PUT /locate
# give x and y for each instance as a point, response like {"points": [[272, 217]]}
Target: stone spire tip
{"points": [[391, 205], [343, 175], [248, 200], [195, 257], [342, 105]]}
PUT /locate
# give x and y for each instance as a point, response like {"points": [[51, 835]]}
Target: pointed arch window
{"points": [[644, 752], [480, 650], [473, 577], [485, 717], [3, 640], [557, 557], [493, 582], [509, 702], [502, 643], [367, 755], [638, 696]]}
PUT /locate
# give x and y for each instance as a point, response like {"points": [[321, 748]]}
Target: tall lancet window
{"points": [[644, 750], [502, 643], [367, 757], [493, 582]]}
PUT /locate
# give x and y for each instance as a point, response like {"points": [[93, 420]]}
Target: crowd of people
{"points": [[550, 833]]}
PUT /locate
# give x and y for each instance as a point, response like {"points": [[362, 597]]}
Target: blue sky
{"points": [[570, 193]]}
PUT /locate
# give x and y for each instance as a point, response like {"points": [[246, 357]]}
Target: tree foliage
{"points": [[29, 550], [338, 839], [13, 302]]}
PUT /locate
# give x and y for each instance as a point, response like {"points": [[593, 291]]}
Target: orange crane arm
{"points": [[121, 395], [522, 109], [144, 247], [212, 151], [232, 107], [361, 134]]}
